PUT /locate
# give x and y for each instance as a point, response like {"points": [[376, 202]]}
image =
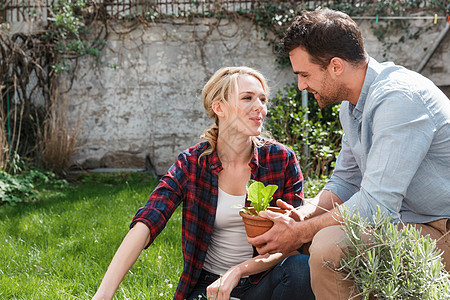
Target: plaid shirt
{"points": [[195, 184]]}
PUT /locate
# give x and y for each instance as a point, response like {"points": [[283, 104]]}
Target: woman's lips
{"points": [[257, 119]]}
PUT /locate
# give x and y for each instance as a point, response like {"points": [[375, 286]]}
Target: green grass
{"points": [[60, 246]]}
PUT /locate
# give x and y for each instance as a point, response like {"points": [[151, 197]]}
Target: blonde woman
{"points": [[208, 179]]}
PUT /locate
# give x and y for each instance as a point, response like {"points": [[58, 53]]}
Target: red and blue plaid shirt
{"points": [[195, 184]]}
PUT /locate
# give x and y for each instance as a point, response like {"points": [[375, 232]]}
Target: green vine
{"points": [[69, 30], [273, 18], [30, 66]]}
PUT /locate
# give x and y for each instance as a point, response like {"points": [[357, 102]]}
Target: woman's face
{"points": [[247, 109]]}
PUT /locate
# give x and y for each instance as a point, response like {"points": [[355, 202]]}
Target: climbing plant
{"points": [[33, 68], [387, 18]]}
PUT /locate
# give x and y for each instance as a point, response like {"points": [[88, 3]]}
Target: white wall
{"points": [[150, 103]]}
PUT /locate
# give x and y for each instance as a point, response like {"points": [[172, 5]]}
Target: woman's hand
{"points": [[300, 213], [290, 210], [98, 297], [221, 288]]}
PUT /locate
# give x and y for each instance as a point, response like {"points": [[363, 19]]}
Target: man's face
{"points": [[314, 79]]}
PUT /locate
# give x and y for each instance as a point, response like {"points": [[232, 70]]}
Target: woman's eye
{"points": [[248, 98]]}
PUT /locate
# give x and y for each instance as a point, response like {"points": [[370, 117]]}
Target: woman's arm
{"points": [[222, 287], [130, 249]]}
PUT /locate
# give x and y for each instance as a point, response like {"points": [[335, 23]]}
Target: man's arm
{"points": [[323, 202]]}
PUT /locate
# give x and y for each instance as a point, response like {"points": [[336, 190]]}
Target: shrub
{"points": [[312, 186], [20, 185], [395, 263], [3, 144], [59, 138], [15, 189], [315, 141]]}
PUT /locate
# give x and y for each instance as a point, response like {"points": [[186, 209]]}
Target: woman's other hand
{"points": [[221, 288]]}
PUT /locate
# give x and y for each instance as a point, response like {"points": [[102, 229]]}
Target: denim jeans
{"points": [[289, 279]]}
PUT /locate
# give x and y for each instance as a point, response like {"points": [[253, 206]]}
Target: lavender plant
{"points": [[388, 261]]}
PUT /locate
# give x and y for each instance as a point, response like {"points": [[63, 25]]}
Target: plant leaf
{"points": [[260, 195], [249, 183], [266, 195], [249, 211], [253, 194]]}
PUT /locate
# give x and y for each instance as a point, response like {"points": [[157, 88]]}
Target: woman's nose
{"points": [[258, 105]]}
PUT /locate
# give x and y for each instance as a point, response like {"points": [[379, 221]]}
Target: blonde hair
{"points": [[220, 87]]}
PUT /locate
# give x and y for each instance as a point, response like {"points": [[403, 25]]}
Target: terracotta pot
{"points": [[256, 225]]}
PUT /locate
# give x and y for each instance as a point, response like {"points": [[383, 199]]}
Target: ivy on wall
{"points": [[387, 18], [30, 68]]}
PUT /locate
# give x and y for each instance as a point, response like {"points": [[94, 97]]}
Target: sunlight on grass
{"points": [[61, 246]]}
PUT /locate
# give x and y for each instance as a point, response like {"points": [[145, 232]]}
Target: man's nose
{"points": [[302, 85]]}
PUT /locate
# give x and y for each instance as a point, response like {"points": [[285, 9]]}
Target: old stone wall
{"points": [[143, 100]]}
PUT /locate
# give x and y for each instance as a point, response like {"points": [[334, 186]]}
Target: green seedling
{"points": [[259, 196]]}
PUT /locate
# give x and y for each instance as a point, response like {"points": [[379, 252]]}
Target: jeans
{"points": [[289, 279]]}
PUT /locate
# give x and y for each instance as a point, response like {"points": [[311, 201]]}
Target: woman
{"points": [[209, 178]]}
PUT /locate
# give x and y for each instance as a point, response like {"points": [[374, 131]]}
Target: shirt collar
{"points": [[214, 161], [254, 162], [373, 70]]}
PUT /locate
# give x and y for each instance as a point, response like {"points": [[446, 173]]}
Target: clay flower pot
{"points": [[256, 225]]}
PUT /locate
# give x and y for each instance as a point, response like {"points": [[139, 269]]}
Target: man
{"points": [[395, 151]]}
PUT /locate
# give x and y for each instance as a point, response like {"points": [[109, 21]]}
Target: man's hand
{"points": [[298, 225], [285, 235]]}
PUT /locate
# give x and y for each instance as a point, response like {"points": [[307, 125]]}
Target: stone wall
{"points": [[143, 100]]}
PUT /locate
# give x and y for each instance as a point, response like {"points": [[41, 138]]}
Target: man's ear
{"points": [[336, 66], [217, 107]]}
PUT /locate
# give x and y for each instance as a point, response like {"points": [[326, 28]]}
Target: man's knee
{"points": [[326, 247]]}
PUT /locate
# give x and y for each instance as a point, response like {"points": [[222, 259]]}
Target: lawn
{"points": [[60, 246]]}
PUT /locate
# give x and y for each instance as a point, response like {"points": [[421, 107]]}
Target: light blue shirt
{"points": [[396, 147]]}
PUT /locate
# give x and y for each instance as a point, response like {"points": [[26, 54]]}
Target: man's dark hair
{"points": [[325, 34]]}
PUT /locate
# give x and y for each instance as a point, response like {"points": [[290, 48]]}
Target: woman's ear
{"points": [[217, 107]]}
